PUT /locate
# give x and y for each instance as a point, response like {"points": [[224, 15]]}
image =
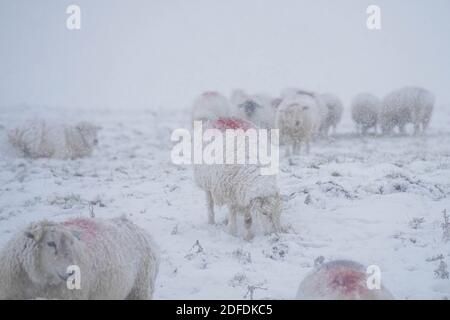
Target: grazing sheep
{"points": [[42, 139], [210, 105], [298, 119], [116, 259], [340, 280], [407, 105], [257, 109], [240, 187], [365, 110], [333, 113]]}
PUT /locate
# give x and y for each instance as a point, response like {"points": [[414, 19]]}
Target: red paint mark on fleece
{"points": [[231, 123], [87, 227], [346, 280]]}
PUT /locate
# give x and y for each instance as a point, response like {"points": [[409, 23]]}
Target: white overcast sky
{"points": [[161, 53]]}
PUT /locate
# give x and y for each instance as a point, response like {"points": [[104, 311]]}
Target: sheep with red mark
{"points": [[116, 260], [44, 139], [210, 105], [240, 187], [340, 280]]}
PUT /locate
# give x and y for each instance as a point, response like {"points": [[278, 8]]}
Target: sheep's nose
{"points": [[297, 123], [95, 141]]}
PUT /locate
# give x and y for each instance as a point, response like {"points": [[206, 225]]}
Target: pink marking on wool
{"points": [[346, 280], [231, 123], [210, 94], [87, 227]]}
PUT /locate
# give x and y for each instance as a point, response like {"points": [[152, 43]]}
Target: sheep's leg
{"points": [[308, 146], [287, 151], [232, 221], [248, 227], [210, 204]]}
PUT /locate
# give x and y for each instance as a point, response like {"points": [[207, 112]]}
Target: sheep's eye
{"points": [[51, 244]]}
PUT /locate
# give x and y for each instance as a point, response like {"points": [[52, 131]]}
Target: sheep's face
{"points": [[269, 210], [249, 108], [89, 133], [53, 253], [296, 114]]}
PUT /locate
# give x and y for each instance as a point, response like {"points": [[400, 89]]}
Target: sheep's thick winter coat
{"points": [[240, 187], [210, 105], [258, 109], [42, 139], [407, 105], [117, 260], [365, 109], [340, 280], [332, 114], [298, 119]]}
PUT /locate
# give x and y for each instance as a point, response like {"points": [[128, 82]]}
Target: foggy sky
{"points": [[161, 53]]}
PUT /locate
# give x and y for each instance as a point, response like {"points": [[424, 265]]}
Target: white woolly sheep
{"points": [[257, 109], [210, 105], [298, 119], [365, 110], [240, 187], [333, 113], [407, 105], [42, 139], [116, 260], [340, 280]]}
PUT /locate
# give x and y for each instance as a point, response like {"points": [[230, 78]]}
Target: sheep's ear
{"points": [[35, 233], [305, 108]]}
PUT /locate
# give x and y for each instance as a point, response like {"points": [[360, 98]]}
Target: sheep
{"points": [[340, 280], [258, 108], [333, 113], [210, 105], [365, 109], [240, 187], [298, 119], [39, 138], [116, 260], [407, 105]]}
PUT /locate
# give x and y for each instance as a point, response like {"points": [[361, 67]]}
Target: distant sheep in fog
{"points": [[116, 260], [340, 280], [258, 109], [298, 119], [42, 139], [365, 109], [333, 114], [210, 105], [407, 105]]}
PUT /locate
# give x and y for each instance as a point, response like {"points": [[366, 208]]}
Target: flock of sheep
{"points": [[122, 259]]}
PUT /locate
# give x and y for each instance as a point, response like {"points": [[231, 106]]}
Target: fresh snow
{"points": [[375, 200]]}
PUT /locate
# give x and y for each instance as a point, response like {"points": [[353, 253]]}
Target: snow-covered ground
{"points": [[376, 200]]}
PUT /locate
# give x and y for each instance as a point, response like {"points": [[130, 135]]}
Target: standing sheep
{"points": [[240, 187], [116, 260], [210, 105], [340, 280], [365, 110], [333, 113], [407, 105], [257, 109], [298, 119], [42, 139]]}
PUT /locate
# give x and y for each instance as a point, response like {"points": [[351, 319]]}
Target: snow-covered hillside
{"points": [[376, 200]]}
